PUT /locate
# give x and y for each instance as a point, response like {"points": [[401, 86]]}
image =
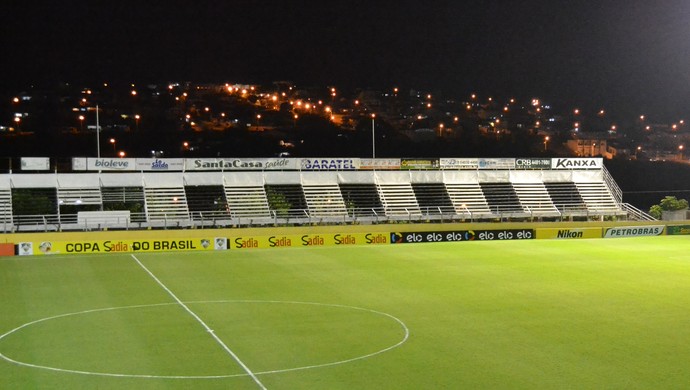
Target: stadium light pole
{"points": [[98, 132], [373, 136]]}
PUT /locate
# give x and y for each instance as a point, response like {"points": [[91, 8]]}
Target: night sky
{"points": [[628, 56]]}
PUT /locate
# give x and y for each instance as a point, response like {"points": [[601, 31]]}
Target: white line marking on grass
{"points": [[402, 324], [152, 376], [196, 317]]}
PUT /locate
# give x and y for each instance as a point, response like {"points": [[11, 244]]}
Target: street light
{"points": [[81, 122], [136, 120], [17, 120], [112, 141], [546, 142], [373, 136], [680, 150]]}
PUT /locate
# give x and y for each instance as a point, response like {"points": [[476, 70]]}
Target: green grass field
{"points": [[546, 314]]}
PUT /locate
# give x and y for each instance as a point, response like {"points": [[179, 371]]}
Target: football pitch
{"points": [[546, 314]]}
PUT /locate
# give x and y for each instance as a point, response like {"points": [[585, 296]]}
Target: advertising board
{"points": [[533, 163], [239, 164], [329, 164], [160, 164], [379, 163], [459, 163], [677, 230], [110, 164], [78, 163], [35, 163], [461, 235], [577, 163], [302, 240], [120, 246], [634, 231], [496, 163], [569, 233], [419, 163]]}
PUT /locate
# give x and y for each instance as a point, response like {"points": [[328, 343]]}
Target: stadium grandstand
{"points": [[140, 193]]}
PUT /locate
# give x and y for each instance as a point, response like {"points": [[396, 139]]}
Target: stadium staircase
{"points": [[535, 199], [598, 198], [247, 201], [167, 204], [398, 200], [468, 200], [324, 201], [6, 207]]}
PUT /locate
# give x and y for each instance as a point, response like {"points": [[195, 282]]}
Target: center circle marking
{"points": [[107, 374]]}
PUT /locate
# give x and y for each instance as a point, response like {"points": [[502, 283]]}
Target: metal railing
{"points": [[296, 217], [612, 185], [636, 214]]}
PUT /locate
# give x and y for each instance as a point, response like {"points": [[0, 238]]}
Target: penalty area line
{"points": [[199, 320]]}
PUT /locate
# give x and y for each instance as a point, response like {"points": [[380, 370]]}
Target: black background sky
{"points": [[628, 56]]}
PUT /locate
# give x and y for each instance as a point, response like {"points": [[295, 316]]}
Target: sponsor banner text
{"points": [[329, 164], [419, 163], [160, 164], [533, 163], [459, 163], [577, 163], [300, 240], [239, 164], [496, 163], [461, 235], [569, 233], [634, 231], [119, 246], [379, 163]]}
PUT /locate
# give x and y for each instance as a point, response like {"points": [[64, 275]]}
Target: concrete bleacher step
{"points": [[6, 205], [597, 197], [535, 199], [79, 196], [324, 200], [468, 198], [398, 199], [166, 203], [249, 201]]}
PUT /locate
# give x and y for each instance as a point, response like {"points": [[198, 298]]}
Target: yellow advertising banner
{"points": [[120, 246], [569, 233], [301, 240]]}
